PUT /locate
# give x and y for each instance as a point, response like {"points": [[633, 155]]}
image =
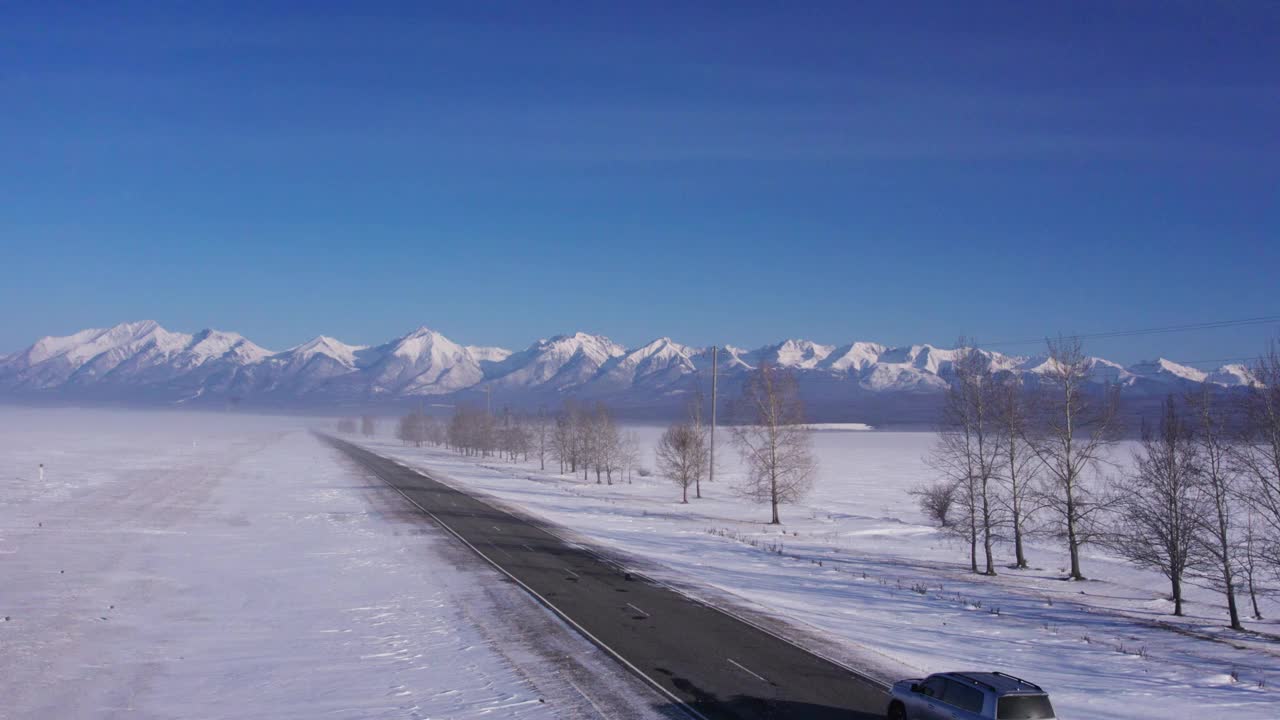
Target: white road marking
{"points": [[495, 547], [572, 573], [748, 670], [633, 607]]}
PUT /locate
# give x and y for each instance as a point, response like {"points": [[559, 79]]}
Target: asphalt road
{"points": [[699, 658]]}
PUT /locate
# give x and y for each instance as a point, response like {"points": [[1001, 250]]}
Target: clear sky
{"points": [[897, 171]]}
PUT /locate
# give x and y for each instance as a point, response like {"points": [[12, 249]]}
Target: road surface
{"points": [[700, 659]]}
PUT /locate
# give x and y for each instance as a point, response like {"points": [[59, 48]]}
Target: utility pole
{"points": [[488, 400], [715, 366]]}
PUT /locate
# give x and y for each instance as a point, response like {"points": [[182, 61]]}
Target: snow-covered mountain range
{"points": [[141, 361]]}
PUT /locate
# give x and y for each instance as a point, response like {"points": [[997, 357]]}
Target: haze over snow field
{"points": [[228, 566], [857, 573]]}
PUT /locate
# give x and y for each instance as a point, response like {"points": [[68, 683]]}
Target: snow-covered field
{"points": [[203, 566], [856, 570]]}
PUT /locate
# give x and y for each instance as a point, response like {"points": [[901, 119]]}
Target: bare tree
{"points": [[607, 442], [968, 450], [936, 500], [1161, 511], [1219, 479], [412, 428], [472, 431], [1258, 454], [435, 430], [1073, 438], [773, 440], [514, 437], [542, 437], [1019, 466], [630, 454], [682, 455], [368, 425], [585, 441], [564, 438], [1251, 561], [593, 437]]}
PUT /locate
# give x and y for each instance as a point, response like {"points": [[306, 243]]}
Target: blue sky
{"points": [[901, 172]]}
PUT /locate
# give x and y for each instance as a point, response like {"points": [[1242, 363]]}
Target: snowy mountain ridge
{"points": [[144, 359]]}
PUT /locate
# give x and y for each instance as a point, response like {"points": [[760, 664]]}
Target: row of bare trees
{"points": [[368, 425], [581, 438], [770, 433], [473, 431], [587, 439], [1200, 502], [1014, 461], [511, 436], [420, 429], [771, 437]]}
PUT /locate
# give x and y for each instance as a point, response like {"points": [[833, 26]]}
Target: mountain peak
{"points": [[803, 354], [558, 362], [1165, 369], [321, 342], [854, 357], [423, 342], [579, 337], [1232, 375], [598, 347], [327, 346], [210, 343], [137, 326], [664, 343], [421, 331], [137, 330]]}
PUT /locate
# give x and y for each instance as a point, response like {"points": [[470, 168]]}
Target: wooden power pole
{"points": [[715, 366]]}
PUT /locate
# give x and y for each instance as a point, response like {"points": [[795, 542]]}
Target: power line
{"points": [[1216, 324], [1217, 361]]}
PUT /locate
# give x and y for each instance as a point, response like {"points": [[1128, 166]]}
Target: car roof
{"points": [[1000, 683]]}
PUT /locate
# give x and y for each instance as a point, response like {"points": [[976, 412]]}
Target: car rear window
{"points": [[963, 696], [934, 687], [1024, 707]]}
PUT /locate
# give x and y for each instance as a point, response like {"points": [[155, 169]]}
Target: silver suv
{"points": [[969, 696]]}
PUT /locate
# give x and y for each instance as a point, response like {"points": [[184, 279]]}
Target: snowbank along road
{"points": [[703, 660]]}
